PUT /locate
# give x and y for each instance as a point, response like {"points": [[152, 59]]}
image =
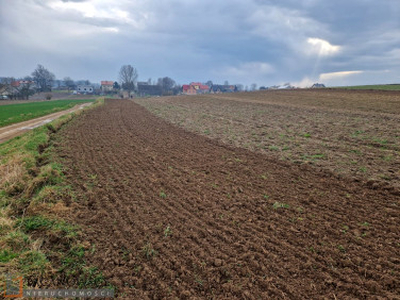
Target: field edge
{"points": [[37, 239]]}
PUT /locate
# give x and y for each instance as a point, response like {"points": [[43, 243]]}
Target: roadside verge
{"points": [[10, 131], [36, 240]]}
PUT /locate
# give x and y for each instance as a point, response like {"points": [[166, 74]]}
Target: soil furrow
{"points": [[174, 214]]}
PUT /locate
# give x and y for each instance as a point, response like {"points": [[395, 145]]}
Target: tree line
{"points": [[128, 77], [40, 80], [43, 80]]}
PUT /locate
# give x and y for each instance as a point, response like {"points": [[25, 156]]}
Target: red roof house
{"points": [[195, 88], [107, 86]]}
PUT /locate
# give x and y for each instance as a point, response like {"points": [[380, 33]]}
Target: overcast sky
{"points": [[267, 42]]}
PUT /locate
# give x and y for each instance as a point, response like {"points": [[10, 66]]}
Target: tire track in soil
{"points": [[227, 240]]}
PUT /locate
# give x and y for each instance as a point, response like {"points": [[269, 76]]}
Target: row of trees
{"points": [[43, 79], [128, 76], [40, 80]]}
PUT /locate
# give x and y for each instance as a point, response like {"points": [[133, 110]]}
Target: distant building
{"points": [[188, 89], [318, 86], [195, 88], [85, 89], [145, 89], [286, 86], [20, 89], [217, 88], [107, 86], [200, 88], [5, 91], [23, 83]]}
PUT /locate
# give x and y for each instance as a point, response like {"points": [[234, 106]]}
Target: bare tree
{"points": [[21, 89], [167, 84], [253, 86], [128, 76], [209, 83], [27, 88], [7, 80], [69, 83], [43, 78], [239, 87]]}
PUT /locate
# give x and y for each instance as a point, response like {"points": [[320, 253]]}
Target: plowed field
{"points": [[173, 214], [354, 134]]}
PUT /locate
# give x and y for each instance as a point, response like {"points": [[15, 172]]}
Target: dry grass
{"points": [[13, 174], [34, 238]]}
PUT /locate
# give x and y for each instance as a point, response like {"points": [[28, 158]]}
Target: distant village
{"points": [[43, 81], [23, 89]]}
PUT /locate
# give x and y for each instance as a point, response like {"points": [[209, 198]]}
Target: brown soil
{"points": [[354, 134], [174, 214]]}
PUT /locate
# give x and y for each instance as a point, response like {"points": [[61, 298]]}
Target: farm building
{"points": [[20, 89], [4, 91], [107, 86], [145, 89], [216, 89], [188, 89], [88, 89], [318, 85], [195, 88]]}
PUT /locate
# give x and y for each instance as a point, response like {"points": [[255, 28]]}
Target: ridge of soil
{"points": [[353, 134], [175, 214]]}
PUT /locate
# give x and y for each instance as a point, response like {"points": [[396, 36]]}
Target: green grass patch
{"points": [[33, 191], [14, 113], [34, 223], [7, 255], [385, 87], [277, 205]]}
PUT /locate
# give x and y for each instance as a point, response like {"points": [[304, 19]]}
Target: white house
{"points": [[88, 89], [107, 86]]}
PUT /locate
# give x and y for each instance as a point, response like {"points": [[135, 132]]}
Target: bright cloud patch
{"points": [[304, 83], [100, 10], [322, 47], [338, 75]]}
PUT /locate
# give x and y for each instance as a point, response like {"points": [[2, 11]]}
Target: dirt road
{"points": [[170, 214], [8, 132]]}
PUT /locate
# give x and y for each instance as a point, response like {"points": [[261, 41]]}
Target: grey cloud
{"points": [[191, 41]]}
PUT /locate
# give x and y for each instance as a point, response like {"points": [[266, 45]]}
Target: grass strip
{"points": [[36, 240], [383, 87], [15, 113]]}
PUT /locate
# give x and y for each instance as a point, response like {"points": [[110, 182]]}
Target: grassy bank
{"points": [[14, 113], [384, 87], [36, 239]]}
